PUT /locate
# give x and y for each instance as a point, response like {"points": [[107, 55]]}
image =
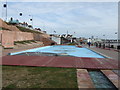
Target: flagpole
{"points": [[67, 32]]}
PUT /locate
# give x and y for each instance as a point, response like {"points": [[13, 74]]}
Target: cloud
{"points": [[84, 18]]}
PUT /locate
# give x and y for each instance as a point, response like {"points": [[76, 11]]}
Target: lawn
{"points": [[25, 42], [38, 77]]}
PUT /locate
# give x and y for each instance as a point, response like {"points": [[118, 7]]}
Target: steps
{"points": [[97, 79]]}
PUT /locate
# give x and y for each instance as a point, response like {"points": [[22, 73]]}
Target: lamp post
{"points": [[31, 19], [104, 40], [5, 6], [20, 14], [116, 33], [117, 38]]}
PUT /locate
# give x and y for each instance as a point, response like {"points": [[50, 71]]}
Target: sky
{"points": [[82, 19]]}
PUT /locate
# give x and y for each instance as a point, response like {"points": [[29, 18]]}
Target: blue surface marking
{"points": [[64, 49]]}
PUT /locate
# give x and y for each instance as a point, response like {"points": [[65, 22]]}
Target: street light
{"points": [[5, 6], [31, 19], [104, 40], [20, 14], [115, 32]]}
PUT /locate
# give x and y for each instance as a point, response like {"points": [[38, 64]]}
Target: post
{"points": [[6, 10], [67, 32], [5, 6], [31, 20]]}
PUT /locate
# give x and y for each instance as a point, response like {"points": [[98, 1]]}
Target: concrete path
{"points": [[108, 53]]}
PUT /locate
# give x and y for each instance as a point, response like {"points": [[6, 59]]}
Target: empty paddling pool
{"points": [[59, 50]]}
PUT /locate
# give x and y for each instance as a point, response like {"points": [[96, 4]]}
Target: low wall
{"points": [[10, 27], [7, 38], [21, 36], [46, 41], [0, 35]]}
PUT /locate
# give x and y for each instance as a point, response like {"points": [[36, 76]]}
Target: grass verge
{"points": [[27, 30], [24, 42], [1, 28], [38, 77]]}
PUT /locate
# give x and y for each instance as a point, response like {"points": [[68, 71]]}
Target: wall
{"points": [[46, 41], [56, 39], [0, 35], [8, 37], [21, 36], [10, 27]]}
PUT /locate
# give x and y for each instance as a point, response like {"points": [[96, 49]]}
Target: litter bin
{"points": [[112, 46], [103, 46], [99, 45], [118, 47]]}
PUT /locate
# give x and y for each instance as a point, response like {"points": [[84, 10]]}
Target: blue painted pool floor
{"points": [[64, 49]]}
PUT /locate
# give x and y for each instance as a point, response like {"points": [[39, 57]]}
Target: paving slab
{"points": [[83, 79], [107, 53], [60, 61], [111, 76]]}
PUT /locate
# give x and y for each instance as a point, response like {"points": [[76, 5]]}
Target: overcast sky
{"points": [[86, 19]]}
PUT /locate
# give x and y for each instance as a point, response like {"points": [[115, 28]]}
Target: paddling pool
{"points": [[65, 50]]}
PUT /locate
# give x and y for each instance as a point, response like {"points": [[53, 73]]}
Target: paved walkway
{"points": [[108, 53], [58, 61]]}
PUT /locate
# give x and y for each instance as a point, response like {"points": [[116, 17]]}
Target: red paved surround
{"points": [[60, 61]]}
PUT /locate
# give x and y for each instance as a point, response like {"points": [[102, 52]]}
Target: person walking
{"points": [[89, 42]]}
